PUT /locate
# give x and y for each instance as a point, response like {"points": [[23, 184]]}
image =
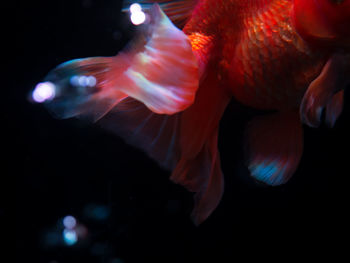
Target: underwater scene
{"points": [[178, 131]]}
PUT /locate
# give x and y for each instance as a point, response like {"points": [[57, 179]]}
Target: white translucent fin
{"points": [[159, 70], [185, 142], [156, 134]]}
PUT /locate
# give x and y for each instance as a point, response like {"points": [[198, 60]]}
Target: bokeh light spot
{"points": [[83, 81], [91, 81], [69, 222], [44, 91], [74, 80], [135, 8], [70, 237], [138, 18]]}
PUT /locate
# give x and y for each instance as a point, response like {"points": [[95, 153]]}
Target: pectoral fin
{"points": [[333, 78], [334, 108], [274, 145]]}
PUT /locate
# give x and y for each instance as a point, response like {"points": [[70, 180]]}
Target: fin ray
{"points": [[203, 176], [153, 133], [152, 89], [198, 168], [274, 147], [333, 78]]}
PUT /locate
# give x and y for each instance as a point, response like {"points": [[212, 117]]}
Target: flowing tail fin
{"points": [[160, 70], [146, 95], [185, 142]]}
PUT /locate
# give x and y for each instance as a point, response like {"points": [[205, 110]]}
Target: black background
{"points": [[63, 166]]}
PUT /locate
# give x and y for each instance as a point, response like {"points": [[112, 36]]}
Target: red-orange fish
{"points": [[167, 92]]}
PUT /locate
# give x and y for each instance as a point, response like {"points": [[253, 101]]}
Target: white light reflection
{"points": [[137, 17], [135, 8], [69, 222], [44, 91]]}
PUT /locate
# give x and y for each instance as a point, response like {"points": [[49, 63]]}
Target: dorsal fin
{"points": [[179, 11]]}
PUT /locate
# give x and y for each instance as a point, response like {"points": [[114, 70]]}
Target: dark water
{"points": [[126, 209]]}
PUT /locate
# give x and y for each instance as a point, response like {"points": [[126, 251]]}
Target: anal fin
{"points": [[185, 142], [274, 145], [198, 169], [203, 176]]}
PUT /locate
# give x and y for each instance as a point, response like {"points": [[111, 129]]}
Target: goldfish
{"points": [[166, 92]]}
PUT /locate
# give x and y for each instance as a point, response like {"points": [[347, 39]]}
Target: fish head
{"points": [[323, 22]]}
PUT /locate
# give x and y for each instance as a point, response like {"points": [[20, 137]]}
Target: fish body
{"points": [[272, 66], [266, 62], [167, 92]]}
